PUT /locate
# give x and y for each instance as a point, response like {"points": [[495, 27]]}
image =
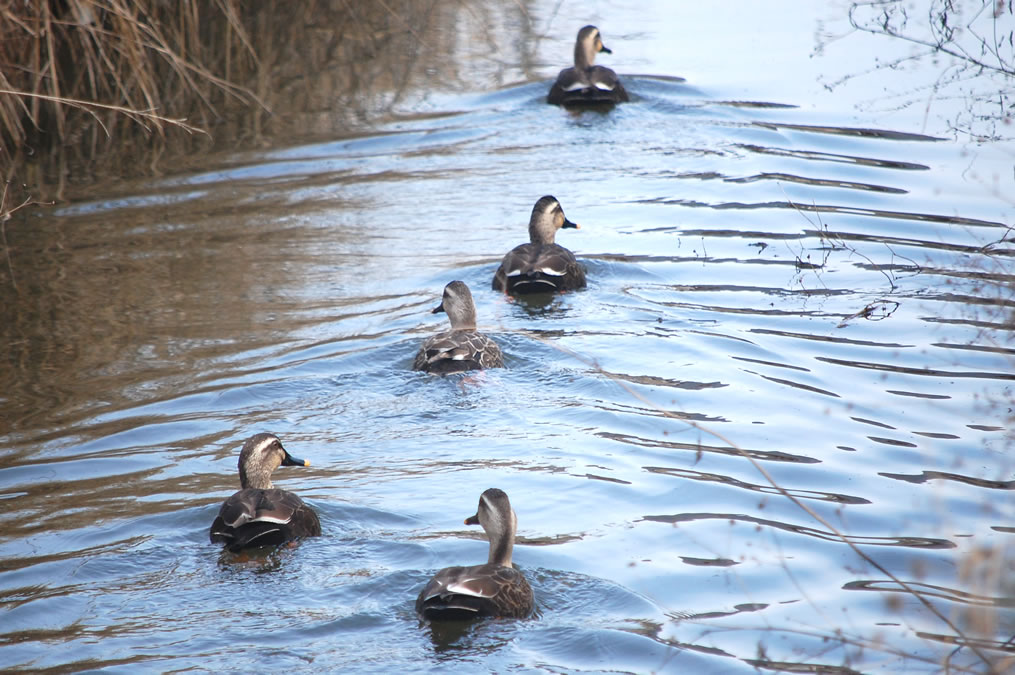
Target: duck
{"points": [[495, 589], [585, 83], [260, 514], [541, 266], [463, 347]]}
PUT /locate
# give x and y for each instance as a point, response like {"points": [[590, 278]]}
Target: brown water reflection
{"points": [[813, 155], [834, 209], [90, 312], [92, 304], [942, 475], [930, 590]]}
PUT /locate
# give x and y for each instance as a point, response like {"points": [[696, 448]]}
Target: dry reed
{"points": [[93, 88], [72, 72]]}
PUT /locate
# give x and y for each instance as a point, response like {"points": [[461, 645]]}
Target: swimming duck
{"points": [[586, 83], [261, 514], [463, 347], [541, 266], [494, 589]]}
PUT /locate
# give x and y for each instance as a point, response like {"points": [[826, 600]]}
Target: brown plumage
{"points": [[541, 266], [463, 347], [586, 83], [261, 514], [493, 589]]}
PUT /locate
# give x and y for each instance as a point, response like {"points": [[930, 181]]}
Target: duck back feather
{"points": [[463, 347], [255, 517], [457, 593], [539, 268]]}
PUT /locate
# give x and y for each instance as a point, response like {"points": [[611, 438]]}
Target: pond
{"points": [[773, 431]]}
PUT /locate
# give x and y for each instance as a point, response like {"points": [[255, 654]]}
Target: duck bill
{"points": [[568, 223], [289, 460], [605, 50], [472, 520], [438, 309]]}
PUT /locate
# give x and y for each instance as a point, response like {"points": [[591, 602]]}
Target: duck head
{"points": [[499, 522], [588, 44], [457, 303], [261, 455], [547, 217]]}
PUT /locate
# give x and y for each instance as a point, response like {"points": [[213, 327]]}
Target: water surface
{"points": [[794, 351]]}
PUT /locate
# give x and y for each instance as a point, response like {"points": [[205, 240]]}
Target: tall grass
{"points": [[75, 73], [94, 86], [114, 60]]}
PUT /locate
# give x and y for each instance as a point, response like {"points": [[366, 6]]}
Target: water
{"points": [[780, 291]]}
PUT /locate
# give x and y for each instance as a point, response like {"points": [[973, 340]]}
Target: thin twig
{"points": [[936, 46], [4, 217], [135, 115], [785, 493]]}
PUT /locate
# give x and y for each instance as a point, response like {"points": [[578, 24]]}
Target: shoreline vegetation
{"points": [[96, 88], [77, 75]]}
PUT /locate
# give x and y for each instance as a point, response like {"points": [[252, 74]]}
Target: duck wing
{"points": [[255, 517], [457, 351], [539, 268], [568, 80], [480, 590], [606, 82], [597, 85]]}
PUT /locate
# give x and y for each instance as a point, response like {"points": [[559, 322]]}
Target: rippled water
{"points": [[795, 348]]}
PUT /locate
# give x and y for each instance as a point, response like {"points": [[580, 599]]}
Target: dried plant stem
{"points": [[5, 215], [127, 57], [138, 116]]}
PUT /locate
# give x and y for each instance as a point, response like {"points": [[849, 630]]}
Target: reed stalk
{"points": [[74, 71]]}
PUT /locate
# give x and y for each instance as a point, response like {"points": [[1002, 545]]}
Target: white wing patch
{"points": [[271, 519], [553, 272], [243, 519], [539, 282], [462, 587], [603, 86], [262, 534]]}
